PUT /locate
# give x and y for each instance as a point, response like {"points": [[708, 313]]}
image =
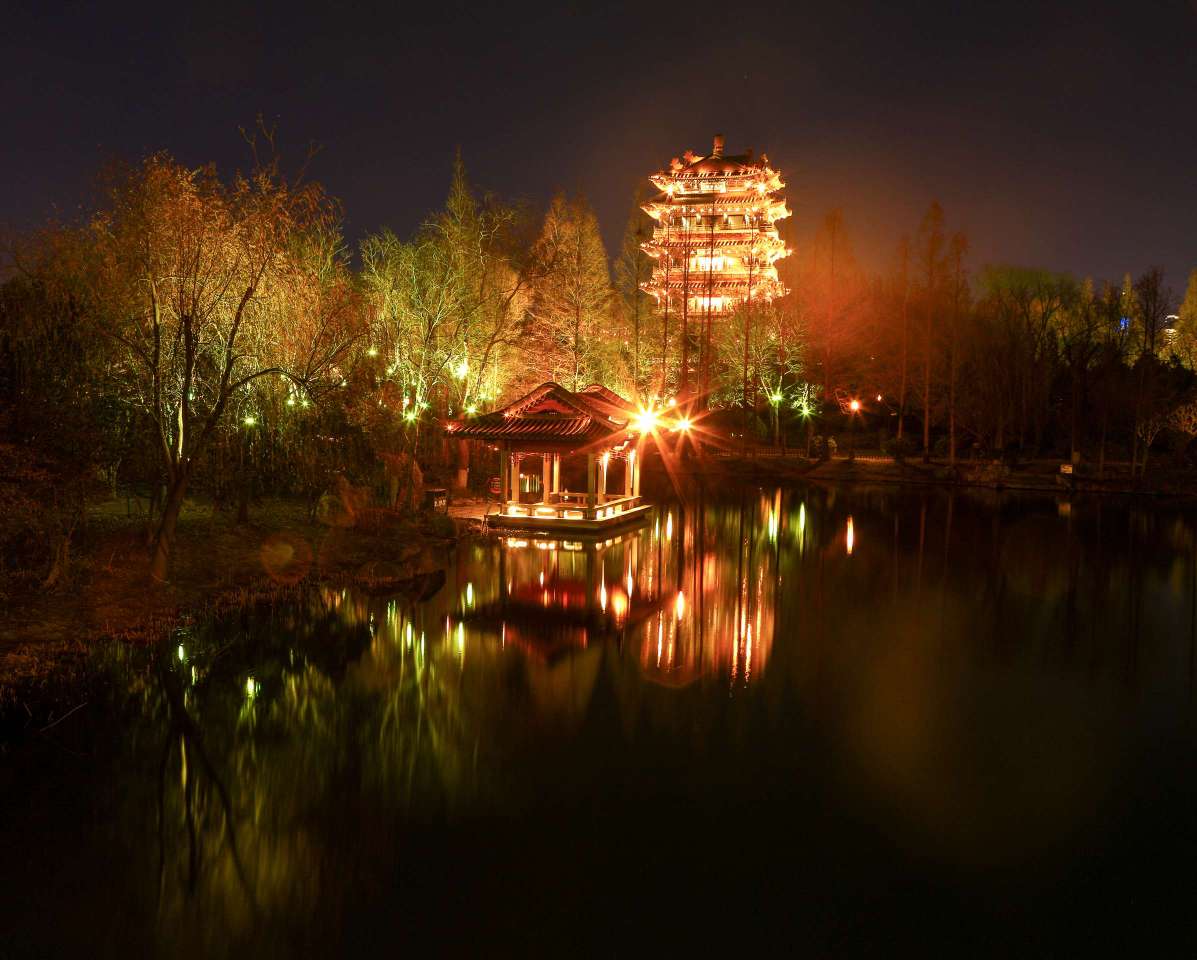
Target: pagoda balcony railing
{"points": [[573, 506]]}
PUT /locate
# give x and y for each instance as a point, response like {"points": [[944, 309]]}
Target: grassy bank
{"points": [[1036, 475], [47, 637]]}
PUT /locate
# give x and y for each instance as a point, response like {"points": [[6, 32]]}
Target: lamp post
{"points": [[853, 410], [775, 398]]}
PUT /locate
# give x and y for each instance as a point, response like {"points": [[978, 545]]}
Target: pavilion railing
{"points": [[573, 506]]}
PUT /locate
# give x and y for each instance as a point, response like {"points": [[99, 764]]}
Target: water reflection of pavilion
{"points": [[691, 594]]}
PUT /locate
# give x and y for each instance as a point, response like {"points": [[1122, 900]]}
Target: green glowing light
{"points": [[250, 421], [182, 653], [471, 409], [251, 688]]}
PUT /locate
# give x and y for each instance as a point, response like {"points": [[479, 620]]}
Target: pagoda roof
{"points": [[699, 241], [721, 166], [552, 414], [696, 287]]}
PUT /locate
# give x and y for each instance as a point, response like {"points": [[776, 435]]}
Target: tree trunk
{"points": [[902, 386], [927, 404], [1101, 452], [952, 395], [164, 538], [62, 561], [1075, 418], [243, 501]]}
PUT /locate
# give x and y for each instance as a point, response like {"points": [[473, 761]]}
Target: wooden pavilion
{"points": [[562, 429]]}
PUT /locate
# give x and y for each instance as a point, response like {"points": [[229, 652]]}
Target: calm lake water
{"points": [[841, 720]]}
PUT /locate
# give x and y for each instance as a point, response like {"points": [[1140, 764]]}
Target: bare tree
{"points": [[187, 275]]}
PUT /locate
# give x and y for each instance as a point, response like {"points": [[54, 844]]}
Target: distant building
{"points": [[715, 242]]}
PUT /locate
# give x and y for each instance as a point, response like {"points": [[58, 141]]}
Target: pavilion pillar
{"points": [[514, 472], [556, 473], [629, 460], [635, 454], [504, 482], [546, 477], [590, 472]]}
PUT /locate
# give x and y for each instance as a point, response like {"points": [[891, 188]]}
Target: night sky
{"points": [[1064, 138]]}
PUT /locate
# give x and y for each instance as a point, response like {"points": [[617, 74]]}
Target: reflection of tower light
{"points": [[669, 526], [660, 637], [603, 596], [851, 536], [542, 578], [628, 581], [680, 605]]}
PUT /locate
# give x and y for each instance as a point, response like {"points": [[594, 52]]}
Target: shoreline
{"points": [[1041, 476], [48, 639]]}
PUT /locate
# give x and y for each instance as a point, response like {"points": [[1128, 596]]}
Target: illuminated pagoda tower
{"points": [[715, 244]]}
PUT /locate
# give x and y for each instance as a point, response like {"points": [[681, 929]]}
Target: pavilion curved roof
{"points": [[553, 414]]}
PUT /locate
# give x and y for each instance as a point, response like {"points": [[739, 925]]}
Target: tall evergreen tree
{"points": [[632, 268], [571, 302]]}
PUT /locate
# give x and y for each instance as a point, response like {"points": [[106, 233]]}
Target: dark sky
{"points": [[1063, 136]]}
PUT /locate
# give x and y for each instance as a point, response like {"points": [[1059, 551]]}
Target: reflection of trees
{"points": [[279, 771]]}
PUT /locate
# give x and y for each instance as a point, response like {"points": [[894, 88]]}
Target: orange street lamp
{"points": [[854, 408]]}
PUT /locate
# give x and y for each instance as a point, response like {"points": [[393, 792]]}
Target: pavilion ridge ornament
{"points": [[715, 242]]}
